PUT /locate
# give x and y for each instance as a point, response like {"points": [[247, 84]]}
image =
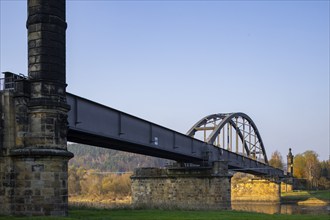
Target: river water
{"points": [[281, 208]]}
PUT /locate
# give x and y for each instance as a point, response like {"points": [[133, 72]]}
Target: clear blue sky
{"points": [[174, 62]]}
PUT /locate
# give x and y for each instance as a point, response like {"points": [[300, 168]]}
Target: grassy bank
{"points": [[305, 196], [129, 214], [99, 214]]}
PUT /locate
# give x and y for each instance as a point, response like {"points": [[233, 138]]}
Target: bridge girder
{"points": [[98, 125]]}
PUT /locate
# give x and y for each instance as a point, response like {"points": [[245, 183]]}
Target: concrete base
{"points": [[184, 188]]}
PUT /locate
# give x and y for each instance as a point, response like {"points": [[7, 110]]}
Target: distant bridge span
{"points": [[222, 133], [98, 125]]}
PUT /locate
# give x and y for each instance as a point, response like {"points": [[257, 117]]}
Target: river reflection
{"points": [[278, 208]]}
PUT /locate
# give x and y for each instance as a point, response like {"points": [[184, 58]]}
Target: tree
{"points": [[73, 181], [76, 176], [91, 184], [307, 166], [299, 164], [313, 167], [276, 160]]}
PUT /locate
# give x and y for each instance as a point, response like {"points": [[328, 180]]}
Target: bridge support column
{"points": [[256, 191], [34, 156], [287, 185], [7, 142], [33, 180], [183, 187]]}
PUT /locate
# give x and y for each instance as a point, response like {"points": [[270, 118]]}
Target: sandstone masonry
{"points": [[33, 122], [183, 187], [256, 190]]}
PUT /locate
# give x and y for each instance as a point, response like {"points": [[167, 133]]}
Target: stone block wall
{"points": [[183, 188], [7, 177], [33, 181], [286, 187], [256, 190], [7, 138], [40, 181], [33, 126]]}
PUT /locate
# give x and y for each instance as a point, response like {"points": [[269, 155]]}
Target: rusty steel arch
{"points": [[215, 125]]}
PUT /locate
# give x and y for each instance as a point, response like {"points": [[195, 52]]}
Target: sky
{"points": [[174, 62]]}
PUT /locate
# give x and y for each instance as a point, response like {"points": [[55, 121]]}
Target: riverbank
{"points": [[321, 197], [298, 202], [129, 214], [119, 209]]}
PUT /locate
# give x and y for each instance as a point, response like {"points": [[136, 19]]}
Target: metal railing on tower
{"points": [[8, 81]]}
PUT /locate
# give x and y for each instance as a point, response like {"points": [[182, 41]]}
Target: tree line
{"points": [[306, 167], [96, 171], [107, 160], [83, 182]]}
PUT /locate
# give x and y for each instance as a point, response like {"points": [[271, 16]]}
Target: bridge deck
{"points": [[98, 125]]}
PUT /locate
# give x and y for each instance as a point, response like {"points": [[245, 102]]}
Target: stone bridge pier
{"points": [[33, 122], [256, 191], [198, 188], [182, 187]]}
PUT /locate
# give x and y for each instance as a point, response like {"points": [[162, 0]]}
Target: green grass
{"points": [[99, 214], [304, 195]]}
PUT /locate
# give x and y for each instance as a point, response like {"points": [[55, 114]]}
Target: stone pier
{"points": [[256, 191], [182, 187], [33, 122]]}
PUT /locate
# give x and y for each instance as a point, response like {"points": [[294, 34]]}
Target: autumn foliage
{"points": [[91, 182], [307, 169], [100, 172]]}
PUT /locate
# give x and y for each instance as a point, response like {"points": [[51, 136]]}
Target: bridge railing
{"points": [[8, 81]]}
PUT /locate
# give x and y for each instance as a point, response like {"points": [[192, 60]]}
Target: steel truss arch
{"points": [[244, 127]]}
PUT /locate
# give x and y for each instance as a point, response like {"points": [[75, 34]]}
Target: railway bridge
{"points": [[38, 117]]}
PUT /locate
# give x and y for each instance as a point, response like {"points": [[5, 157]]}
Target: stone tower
{"points": [[34, 154]]}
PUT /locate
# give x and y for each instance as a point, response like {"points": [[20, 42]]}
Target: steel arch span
{"points": [[235, 132]]}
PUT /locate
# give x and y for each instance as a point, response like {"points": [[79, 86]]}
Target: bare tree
{"points": [[313, 167]]}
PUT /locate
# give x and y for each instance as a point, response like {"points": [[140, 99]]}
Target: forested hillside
{"points": [[106, 160]]}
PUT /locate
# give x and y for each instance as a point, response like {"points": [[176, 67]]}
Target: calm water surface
{"points": [[281, 208]]}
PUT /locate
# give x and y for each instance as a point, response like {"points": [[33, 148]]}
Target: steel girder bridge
{"points": [[231, 137]]}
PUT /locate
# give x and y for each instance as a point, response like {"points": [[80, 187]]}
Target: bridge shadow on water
{"points": [[278, 208]]}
